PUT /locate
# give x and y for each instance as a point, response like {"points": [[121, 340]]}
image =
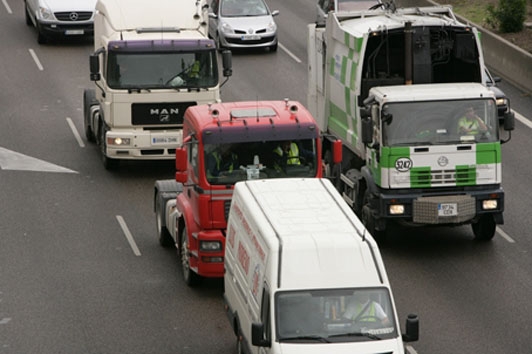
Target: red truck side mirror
{"points": [[181, 165]]}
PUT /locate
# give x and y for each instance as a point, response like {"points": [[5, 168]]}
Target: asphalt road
{"points": [[81, 270]]}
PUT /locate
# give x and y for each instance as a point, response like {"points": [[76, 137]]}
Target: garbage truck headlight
{"points": [[396, 209], [210, 246], [489, 204]]}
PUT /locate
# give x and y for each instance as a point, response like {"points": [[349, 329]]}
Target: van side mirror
{"points": [[257, 336], [94, 64], [412, 329]]}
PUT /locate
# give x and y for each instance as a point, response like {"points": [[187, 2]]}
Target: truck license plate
{"points": [[74, 32], [164, 140], [447, 209]]}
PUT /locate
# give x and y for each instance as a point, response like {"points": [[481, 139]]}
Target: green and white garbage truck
{"points": [[395, 85]]}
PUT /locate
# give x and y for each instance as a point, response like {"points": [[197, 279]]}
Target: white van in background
{"points": [[297, 260]]}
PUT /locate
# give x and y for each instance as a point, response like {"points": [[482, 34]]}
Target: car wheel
{"points": [[29, 22], [41, 39], [273, 48], [219, 42], [189, 276]]}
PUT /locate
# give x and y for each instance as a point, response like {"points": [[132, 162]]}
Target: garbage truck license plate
{"points": [[447, 209]]}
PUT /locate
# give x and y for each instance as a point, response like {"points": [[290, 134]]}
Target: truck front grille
{"points": [[460, 176], [425, 209]]}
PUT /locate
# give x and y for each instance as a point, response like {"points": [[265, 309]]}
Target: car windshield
{"points": [[229, 163], [241, 8], [132, 70], [439, 122], [334, 315]]}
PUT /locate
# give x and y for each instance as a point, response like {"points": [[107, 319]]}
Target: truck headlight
{"points": [[118, 141], [501, 101], [396, 209], [210, 246], [489, 204]]}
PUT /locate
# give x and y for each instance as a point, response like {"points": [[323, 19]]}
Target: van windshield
{"points": [[334, 315]]}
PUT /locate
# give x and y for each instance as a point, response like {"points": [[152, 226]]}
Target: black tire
{"points": [[368, 220], [190, 278], [165, 239], [485, 228], [29, 22], [41, 38], [109, 163], [273, 48], [89, 99]]}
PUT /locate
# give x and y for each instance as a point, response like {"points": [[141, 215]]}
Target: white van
{"points": [[303, 275]]}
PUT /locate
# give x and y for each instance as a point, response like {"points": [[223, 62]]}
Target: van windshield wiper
{"points": [[357, 334], [308, 337]]}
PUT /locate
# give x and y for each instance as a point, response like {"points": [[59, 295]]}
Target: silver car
{"points": [[324, 6], [243, 24], [60, 18]]}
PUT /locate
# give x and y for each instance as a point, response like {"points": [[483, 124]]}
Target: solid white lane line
{"points": [[289, 52], [128, 235], [505, 235], [75, 132], [36, 59], [523, 120], [7, 7]]}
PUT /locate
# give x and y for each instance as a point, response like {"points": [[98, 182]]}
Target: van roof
{"points": [[320, 239]]}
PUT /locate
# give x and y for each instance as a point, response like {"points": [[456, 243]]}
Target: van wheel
{"points": [[484, 229], [165, 239], [189, 276]]}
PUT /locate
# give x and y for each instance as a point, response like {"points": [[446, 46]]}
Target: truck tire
{"points": [[368, 220], [109, 163], [165, 239], [89, 99], [485, 228], [191, 278]]}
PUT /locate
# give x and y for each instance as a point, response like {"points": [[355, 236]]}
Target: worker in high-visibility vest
{"points": [[286, 153], [221, 161], [361, 308]]}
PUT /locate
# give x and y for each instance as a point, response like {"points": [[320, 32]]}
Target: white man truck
{"points": [[303, 275], [151, 62], [393, 85]]}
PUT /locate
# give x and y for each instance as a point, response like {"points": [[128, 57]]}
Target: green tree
{"points": [[509, 16]]}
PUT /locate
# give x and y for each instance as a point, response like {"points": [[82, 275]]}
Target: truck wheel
{"points": [[165, 239], [108, 163], [89, 99], [191, 278], [484, 229], [368, 220]]}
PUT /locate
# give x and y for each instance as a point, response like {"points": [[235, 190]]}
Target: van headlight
{"points": [[210, 246]]}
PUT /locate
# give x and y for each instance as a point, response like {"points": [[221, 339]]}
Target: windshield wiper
{"points": [[356, 334], [311, 337]]}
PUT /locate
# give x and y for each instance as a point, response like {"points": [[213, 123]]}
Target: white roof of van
{"points": [[320, 236], [132, 14]]}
